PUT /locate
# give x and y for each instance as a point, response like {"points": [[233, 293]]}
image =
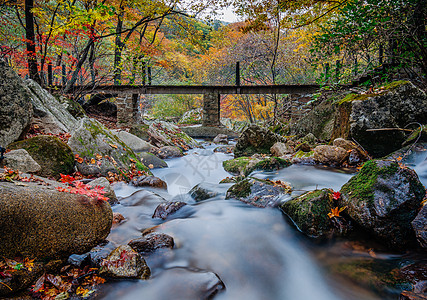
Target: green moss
{"points": [[269, 164], [395, 84], [354, 97], [236, 165], [241, 189], [50, 153], [301, 154]]}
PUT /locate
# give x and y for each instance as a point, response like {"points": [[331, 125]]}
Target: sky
{"points": [[228, 16]]}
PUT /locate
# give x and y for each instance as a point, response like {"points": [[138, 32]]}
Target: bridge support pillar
{"points": [[211, 109], [127, 110]]}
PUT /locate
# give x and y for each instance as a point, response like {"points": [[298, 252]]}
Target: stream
{"points": [[256, 252]]}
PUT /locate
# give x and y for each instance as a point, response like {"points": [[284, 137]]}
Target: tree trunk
{"points": [[31, 42]]}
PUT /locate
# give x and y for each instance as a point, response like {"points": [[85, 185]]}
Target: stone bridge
{"points": [[128, 96]]}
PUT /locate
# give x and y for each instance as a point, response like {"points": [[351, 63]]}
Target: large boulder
{"points": [[151, 161], [280, 149], [256, 139], [310, 213], [135, 143], [15, 106], [259, 193], [50, 114], [166, 134], [394, 106], [54, 156], [384, 199], [101, 151], [38, 221]]}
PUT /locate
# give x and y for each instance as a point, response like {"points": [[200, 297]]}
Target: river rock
{"points": [[109, 191], [384, 199], [163, 210], [20, 160], [134, 142], [256, 139], [151, 161], [224, 149], [238, 165], [151, 181], [124, 262], [330, 155], [152, 241], [356, 154], [167, 152], [203, 191], [101, 150], [257, 192], [221, 139], [15, 108], [166, 134], [54, 156], [39, 221], [140, 130], [303, 158], [279, 149], [419, 224], [310, 213]]}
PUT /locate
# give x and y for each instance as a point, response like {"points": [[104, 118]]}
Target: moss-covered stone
{"points": [[140, 130], [91, 139], [54, 156], [236, 166], [310, 212], [257, 192], [383, 199], [301, 154], [256, 139], [73, 107], [418, 135], [269, 164]]}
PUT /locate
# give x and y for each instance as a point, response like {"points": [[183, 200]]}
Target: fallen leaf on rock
{"points": [[113, 146]]}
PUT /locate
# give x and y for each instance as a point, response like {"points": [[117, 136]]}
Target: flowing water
{"points": [[256, 252]]}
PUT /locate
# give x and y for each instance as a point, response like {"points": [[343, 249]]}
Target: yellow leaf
{"points": [[93, 161], [151, 166], [113, 146], [98, 156]]}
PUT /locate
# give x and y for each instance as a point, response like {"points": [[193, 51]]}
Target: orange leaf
{"points": [[113, 146]]}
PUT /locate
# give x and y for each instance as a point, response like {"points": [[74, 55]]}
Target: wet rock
{"points": [[92, 140], [280, 149], [151, 181], [151, 161], [152, 241], [79, 260], [203, 191], [117, 218], [20, 160], [100, 252], [419, 135], [166, 134], [134, 142], [221, 139], [224, 149], [310, 213], [140, 130], [256, 139], [39, 221], [124, 262], [330, 155], [245, 165], [167, 152], [257, 192], [356, 153], [384, 199], [419, 224], [54, 156], [207, 131], [15, 108], [163, 210], [109, 191], [407, 295], [310, 139]]}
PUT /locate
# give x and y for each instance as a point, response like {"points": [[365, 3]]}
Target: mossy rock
{"points": [[269, 164], [73, 107], [310, 213], [257, 192], [383, 199], [419, 135], [54, 156], [236, 166], [92, 139]]}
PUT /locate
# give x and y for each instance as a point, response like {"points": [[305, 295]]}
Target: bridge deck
{"points": [[195, 89]]}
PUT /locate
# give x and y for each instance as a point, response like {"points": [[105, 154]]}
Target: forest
{"points": [[66, 43]]}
